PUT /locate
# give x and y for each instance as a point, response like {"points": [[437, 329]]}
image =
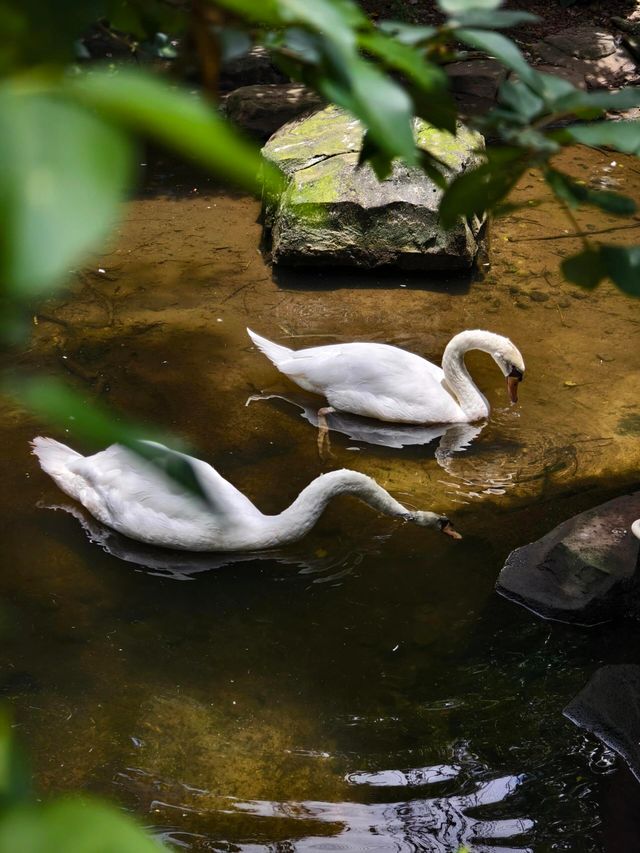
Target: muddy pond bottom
{"points": [[365, 688]]}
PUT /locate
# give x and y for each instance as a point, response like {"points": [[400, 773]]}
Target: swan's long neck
{"points": [[303, 513], [471, 401]]}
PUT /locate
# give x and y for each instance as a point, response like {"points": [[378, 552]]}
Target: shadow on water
{"points": [[382, 278]]}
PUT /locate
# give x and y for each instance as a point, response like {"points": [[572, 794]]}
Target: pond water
{"points": [[364, 689]]}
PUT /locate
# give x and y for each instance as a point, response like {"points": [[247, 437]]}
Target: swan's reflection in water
{"points": [[507, 456], [439, 825], [453, 437], [324, 567], [419, 825]]}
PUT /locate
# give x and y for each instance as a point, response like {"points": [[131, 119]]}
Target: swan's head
{"points": [[438, 522], [510, 361]]}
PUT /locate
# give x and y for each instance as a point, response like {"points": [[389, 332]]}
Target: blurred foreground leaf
{"points": [[63, 172], [183, 121], [454, 7], [620, 263], [575, 194], [72, 825], [87, 421], [15, 784], [480, 189], [493, 19], [623, 136], [502, 48], [585, 268]]}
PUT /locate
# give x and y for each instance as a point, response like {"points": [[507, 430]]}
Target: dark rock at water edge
{"points": [[263, 108], [254, 66], [583, 571], [332, 212], [609, 707]]}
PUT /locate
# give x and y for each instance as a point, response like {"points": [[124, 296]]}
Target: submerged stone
{"points": [[583, 571], [609, 708], [331, 212]]}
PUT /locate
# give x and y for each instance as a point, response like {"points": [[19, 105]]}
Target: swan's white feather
{"points": [[390, 384], [374, 380], [134, 497]]}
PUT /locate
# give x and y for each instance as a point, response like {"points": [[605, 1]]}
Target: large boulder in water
{"points": [[609, 707], [331, 212], [583, 571]]}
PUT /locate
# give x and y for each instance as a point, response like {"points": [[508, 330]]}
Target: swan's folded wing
{"points": [[377, 368], [126, 482]]}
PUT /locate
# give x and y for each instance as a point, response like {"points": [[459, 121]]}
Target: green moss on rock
{"points": [[334, 212]]}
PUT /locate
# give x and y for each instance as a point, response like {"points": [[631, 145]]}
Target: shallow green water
{"points": [[364, 689]]}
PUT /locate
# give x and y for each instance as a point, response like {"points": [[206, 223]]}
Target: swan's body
{"points": [[390, 384], [136, 498]]}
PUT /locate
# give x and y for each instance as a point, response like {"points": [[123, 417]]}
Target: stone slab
{"points": [[583, 571]]}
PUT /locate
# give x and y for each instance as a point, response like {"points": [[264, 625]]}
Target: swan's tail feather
{"points": [[52, 455], [274, 352]]}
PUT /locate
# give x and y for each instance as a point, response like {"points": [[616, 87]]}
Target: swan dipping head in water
{"points": [[390, 384], [134, 496]]}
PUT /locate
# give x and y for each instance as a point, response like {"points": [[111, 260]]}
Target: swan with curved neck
{"points": [[136, 498], [390, 384]]}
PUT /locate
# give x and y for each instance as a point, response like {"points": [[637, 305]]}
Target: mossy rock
{"points": [[333, 213]]}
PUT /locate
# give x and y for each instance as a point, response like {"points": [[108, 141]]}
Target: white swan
{"points": [[635, 528], [137, 499], [391, 384]]}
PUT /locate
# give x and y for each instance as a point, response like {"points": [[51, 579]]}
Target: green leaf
{"points": [[380, 162], [575, 194], [88, 421], [493, 19], [407, 33], [74, 825], [549, 87], [35, 33], [594, 102], [622, 135], [144, 18], [335, 18], [453, 7], [175, 117], [529, 137], [381, 104], [407, 59], [585, 269], [481, 189], [433, 168], [502, 48], [264, 12], [431, 89], [63, 173], [233, 42], [521, 100], [306, 46], [622, 264], [15, 778]]}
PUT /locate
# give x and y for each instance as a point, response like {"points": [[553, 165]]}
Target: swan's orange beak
{"points": [[512, 388], [450, 530]]}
